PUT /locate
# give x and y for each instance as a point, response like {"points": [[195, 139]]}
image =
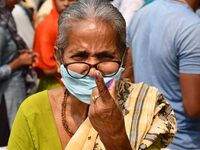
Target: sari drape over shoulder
{"points": [[149, 120]]}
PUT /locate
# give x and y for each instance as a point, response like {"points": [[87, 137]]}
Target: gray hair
{"points": [[91, 9]]}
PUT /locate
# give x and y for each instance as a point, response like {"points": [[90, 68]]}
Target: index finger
{"points": [[101, 86]]}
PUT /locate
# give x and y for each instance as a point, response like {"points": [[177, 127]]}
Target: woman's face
{"points": [[10, 4], [92, 42], [62, 4]]}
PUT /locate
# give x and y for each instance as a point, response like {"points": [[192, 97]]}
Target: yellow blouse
{"points": [[34, 127]]}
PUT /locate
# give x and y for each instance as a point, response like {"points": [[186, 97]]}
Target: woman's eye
{"points": [[80, 56], [105, 57]]}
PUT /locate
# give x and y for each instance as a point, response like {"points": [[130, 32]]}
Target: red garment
{"points": [[45, 37]]}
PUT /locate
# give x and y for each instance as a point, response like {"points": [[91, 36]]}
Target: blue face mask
{"points": [[82, 88]]}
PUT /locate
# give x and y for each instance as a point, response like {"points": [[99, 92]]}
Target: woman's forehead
{"points": [[92, 25], [92, 37], [89, 33], [93, 32]]}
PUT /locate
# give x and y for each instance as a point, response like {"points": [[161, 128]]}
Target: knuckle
{"points": [[91, 114]]}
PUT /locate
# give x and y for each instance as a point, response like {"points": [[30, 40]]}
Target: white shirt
{"points": [[24, 26], [128, 8]]}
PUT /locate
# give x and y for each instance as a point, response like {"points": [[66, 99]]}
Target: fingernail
{"points": [[97, 73], [109, 84]]}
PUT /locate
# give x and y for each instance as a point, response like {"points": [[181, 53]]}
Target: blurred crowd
{"points": [[27, 63]]}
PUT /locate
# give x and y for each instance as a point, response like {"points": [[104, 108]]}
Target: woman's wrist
{"points": [[14, 64]]}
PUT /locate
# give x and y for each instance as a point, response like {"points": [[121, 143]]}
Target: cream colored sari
{"points": [[149, 120]]}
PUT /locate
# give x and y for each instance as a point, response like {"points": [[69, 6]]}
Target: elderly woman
{"points": [[95, 109]]}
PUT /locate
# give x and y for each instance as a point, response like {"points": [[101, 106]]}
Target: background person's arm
{"points": [[188, 54], [190, 86], [25, 58]]}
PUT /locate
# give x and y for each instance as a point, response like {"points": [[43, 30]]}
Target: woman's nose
{"points": [[92, 70]]}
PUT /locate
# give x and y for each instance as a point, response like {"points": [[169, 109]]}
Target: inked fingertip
{"points": [[97, 74]]}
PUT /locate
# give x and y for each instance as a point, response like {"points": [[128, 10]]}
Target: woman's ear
{"points": [[128, 65], [57, 58]]}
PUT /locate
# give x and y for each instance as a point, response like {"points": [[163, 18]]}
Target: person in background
{"points": [[95, 109], [14, 57], [164, 37], [45, 38], [23, 15], [128, 8]]}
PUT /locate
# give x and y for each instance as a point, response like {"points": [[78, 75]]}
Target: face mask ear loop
{"points": [[59, 56], [123, 57]]}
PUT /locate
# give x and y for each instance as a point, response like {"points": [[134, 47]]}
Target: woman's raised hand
{"points": [[106, 116]]}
